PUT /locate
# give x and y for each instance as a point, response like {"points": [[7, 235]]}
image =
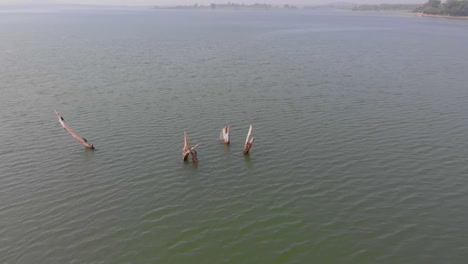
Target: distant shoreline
{"points": [[441, 16], [225, 9], [384, 11], [410, 13]]}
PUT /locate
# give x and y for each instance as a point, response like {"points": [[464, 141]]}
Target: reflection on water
{"points": [[247, 160]]}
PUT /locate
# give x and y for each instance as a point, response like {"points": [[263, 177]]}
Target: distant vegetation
{"points": [[449, 8], [340, 6], [432, 7], [230, 6], [386, 7]]}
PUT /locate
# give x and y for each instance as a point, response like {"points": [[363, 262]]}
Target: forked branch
{"points": [[248, 141]]}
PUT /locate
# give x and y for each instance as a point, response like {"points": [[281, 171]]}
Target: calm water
{"points": [[360, 123]]}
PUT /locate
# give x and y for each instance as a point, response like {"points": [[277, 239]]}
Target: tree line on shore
{"points": [[230, 5], [432, 7], [386, 7], [449, 8]]}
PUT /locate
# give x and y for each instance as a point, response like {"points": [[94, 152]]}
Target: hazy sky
{"points": [[189, 2]]}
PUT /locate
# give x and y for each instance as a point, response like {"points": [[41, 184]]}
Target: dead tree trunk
{"points": [[186, 150], [78, 138], [224, 136], [248, 141]]}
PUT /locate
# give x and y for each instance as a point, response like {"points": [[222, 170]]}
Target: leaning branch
{"points": [[67, 128]]}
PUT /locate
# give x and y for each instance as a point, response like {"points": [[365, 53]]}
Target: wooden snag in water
{"points": [[224, 136], [248, 141], [187, 150], [78, 138]]}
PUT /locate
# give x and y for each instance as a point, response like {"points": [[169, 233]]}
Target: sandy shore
{"points": [[441, 16]]}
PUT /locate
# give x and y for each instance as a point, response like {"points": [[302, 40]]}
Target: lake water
{"points": [[360, 125]]}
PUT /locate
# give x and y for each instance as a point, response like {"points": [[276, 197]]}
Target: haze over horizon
{"points": [[204, 2]]}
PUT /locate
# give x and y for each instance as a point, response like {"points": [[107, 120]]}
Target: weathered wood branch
{"points": [[186, 150], [248, 141], [78, 138], [224, 136], [193, 154]]}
